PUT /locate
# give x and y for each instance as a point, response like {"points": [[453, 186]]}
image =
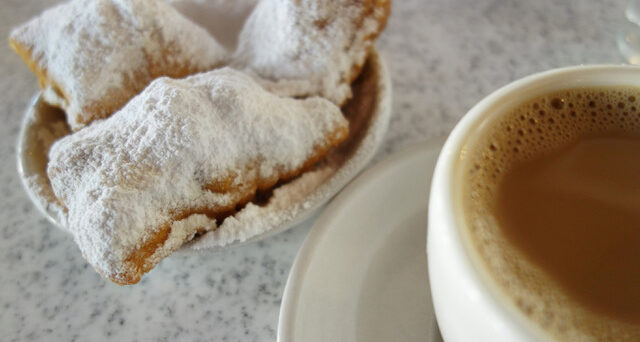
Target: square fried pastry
{"points": [[92, 56], [310, 47], [178, 156]]}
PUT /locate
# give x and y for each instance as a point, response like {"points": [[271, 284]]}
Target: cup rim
{"points": [[446, 227]]}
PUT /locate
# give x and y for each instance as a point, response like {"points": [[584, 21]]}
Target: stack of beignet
{"points": [[156, 159]]}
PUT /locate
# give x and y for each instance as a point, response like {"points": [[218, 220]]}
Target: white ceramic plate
{"points": [[361, 274], [290, 205]]}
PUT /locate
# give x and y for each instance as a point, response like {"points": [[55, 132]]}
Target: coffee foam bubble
{"points": [[534, 128]]}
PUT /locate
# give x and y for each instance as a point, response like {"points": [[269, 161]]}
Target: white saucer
{"points": [[361, 274]]}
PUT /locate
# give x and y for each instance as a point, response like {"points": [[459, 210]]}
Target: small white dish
{"points": [[361, 274], [368, 114]]}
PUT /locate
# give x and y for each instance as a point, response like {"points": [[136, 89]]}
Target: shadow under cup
{"points": [[482, 286]]}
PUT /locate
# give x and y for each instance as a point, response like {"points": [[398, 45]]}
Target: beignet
{"points": [[178, 157], [310, 47], [92, 56]]}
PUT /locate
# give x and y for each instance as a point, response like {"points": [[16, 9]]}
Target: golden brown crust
{"points": [[41, 73]]}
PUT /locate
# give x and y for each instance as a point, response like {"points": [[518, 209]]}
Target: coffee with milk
{"points": [[551, 207]]}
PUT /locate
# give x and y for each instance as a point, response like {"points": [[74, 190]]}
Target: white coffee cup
{"points": [[469, 305]]}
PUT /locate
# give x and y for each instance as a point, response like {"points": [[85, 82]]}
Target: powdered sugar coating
{"points": [[123, 176], [289, 204], [92, 56], [309, 47]]}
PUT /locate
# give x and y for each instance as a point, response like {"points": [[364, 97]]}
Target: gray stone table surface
{"points": [[443, 55]]}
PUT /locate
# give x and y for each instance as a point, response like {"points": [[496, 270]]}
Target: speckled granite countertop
{"points": [[444, 56]]}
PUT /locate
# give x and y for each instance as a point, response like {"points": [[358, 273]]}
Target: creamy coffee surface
{"points": [[551, 198]]}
